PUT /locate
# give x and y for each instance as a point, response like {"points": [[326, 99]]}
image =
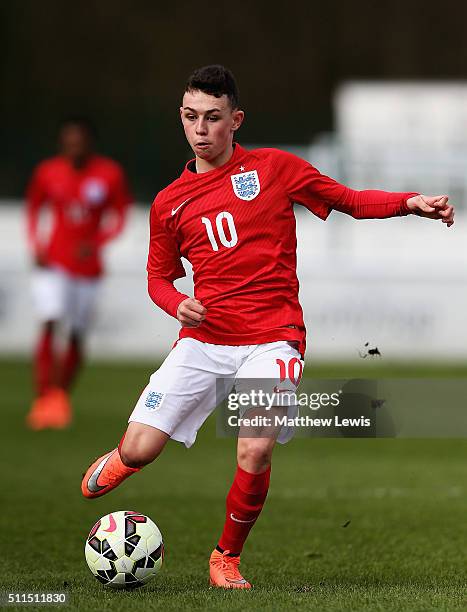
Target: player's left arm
{"points": [[374, 204], [117, 210], [321, 194]]}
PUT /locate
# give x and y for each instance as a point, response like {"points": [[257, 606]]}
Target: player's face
{"points": [[209, 123], [75, 143]]}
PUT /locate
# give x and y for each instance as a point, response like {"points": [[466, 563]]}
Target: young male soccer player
{"points": [[88, 197], [231, 215]]}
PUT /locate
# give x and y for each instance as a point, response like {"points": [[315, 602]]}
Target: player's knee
{"points": [[254, 455]]}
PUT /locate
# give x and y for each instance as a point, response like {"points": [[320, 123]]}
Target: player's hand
{"points": [[191, 313], [433, 207]]}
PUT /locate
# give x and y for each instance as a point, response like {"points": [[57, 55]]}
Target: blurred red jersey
{"points": [[236, 226], [88, 208]]}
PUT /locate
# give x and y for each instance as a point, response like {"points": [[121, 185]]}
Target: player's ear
{"points": [[237, 116], [181, 112]]}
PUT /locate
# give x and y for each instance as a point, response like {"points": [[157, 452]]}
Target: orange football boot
{"points": [[60, 412], [224, 572], [37, 417], [51, 410], [106, 473]]}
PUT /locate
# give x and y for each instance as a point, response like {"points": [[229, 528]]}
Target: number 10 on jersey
{"points": [[221, 231]]}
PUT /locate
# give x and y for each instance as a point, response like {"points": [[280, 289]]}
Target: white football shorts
{"points": [[181, 394], [59, 296]]}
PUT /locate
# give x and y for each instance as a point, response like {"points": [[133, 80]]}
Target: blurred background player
{"points": [[87, 198]]}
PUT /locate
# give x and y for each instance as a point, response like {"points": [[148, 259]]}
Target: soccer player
{"points": [[231, 215], [87, 197]]}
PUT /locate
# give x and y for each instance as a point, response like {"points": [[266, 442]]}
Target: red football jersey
{"points": [[236, 226], [80, 201]]}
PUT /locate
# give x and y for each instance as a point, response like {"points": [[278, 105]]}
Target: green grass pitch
{"points": [[349, 524]]}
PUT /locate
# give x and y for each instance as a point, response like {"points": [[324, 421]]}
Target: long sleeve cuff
{"points": [[405, 210], [163, 293], [372, 204]]}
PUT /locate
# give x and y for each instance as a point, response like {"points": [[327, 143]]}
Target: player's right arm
{"points": [[164, 267], [36, 197]]}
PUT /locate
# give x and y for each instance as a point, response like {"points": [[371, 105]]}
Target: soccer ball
{"points": [[124, 549]]}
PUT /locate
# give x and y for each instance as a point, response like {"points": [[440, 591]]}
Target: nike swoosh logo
{"points": [[240, 520], [174, 210], [112, 525], [242, 581], [93, 485]]}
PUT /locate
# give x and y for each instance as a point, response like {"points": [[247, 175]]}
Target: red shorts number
{"points": [[290, 370]]}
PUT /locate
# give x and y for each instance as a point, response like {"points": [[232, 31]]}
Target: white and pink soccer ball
{"points": [[124, 549]]}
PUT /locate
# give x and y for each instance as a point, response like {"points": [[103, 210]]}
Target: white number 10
{"points": [[220, 230]]}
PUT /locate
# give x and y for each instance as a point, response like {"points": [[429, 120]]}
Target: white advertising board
{"points": [[399, 284]]}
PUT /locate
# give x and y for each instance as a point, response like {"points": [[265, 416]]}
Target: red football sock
{"points": [[44, 362], [70, 365], [244, 503]]}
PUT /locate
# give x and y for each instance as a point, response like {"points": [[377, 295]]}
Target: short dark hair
{"points": [[83, 122], [215, 80]]}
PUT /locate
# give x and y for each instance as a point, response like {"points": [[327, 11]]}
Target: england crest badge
{"points": [[246, 185], [154, 400]]}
